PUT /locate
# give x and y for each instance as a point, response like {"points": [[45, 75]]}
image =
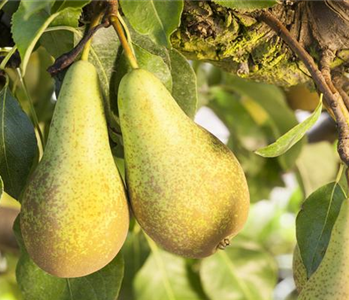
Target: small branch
{"points": [[296, 47], [332, 97], [67, 59], [7, 237], [114, 20], [341, 111], [338, 83]]}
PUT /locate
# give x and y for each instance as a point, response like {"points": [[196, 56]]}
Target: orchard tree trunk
{"points": [[239, 43]]}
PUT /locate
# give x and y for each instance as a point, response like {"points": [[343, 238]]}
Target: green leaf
{"points": [[32, 6], [147, 61], [315, 222], [156, 18], [18, 144], [246, 4], [9, 7], [289, 139], [27, 31], [3, 3], [36, 284], [243, 271], [233, 112], [34, 28], [163, 277], [105, 49], [247, 132], [135, 251], [57, 42], [62, 5], [314, 170], [184, 83], [272, 100], [68, 17]]}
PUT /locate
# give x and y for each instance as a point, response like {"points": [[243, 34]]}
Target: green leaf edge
{"points": [[291, 137]]}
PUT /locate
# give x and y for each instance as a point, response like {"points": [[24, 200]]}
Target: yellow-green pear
{"points": [[74, 216], [299, 270], [331, 280], [187, 189]]}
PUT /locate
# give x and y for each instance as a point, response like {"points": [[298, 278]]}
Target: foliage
{"points": [[255, 114], [243, 4]]}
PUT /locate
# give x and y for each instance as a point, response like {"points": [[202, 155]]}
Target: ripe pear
{"points": [[74, 216], [187, 189], [299, 270], [331, 280]]}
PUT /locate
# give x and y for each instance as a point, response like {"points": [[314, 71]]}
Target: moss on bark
{"points": [[234, 41]]}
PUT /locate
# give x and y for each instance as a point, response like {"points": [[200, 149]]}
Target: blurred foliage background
{"points": [[247, 116]]}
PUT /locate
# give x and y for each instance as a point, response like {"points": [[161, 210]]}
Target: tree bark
{"points": [[236, 42]]}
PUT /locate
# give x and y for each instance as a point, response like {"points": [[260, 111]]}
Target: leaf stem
{"points": [[124, 42], [7, 58], [33, 114], [340, 172]]}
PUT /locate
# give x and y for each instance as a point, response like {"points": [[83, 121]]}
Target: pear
{"points": [[331, 280], [299, 270], [187, 189], [74, 216]]}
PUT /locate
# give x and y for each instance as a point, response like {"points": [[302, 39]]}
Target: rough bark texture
{"points": [[236, 42]]}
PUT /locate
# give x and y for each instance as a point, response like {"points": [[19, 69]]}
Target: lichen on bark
{"points": [[236, 42]]}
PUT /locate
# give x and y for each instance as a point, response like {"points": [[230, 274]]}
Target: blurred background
{"points": [[246, 116]]}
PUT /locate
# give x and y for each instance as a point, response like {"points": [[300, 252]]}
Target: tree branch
{"points": [[332, 97], [65, 60]]}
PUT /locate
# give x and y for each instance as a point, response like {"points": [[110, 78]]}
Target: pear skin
{"points": [[331, 280], [74, 216], [299, 270], [187, 189]]}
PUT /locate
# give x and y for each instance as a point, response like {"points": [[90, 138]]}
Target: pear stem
{"points": [[124, 42], [94, 22]]}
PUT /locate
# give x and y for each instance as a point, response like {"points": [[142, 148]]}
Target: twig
{"points": [[67, 59], [332, 97], [114, 20], [338, 83], [342, 116]]}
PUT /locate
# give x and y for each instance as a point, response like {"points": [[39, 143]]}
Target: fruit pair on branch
{"points": [[185, 188]]}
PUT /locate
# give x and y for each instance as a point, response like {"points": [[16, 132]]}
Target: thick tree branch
{"points": [[235, 41], [322, 79]]}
